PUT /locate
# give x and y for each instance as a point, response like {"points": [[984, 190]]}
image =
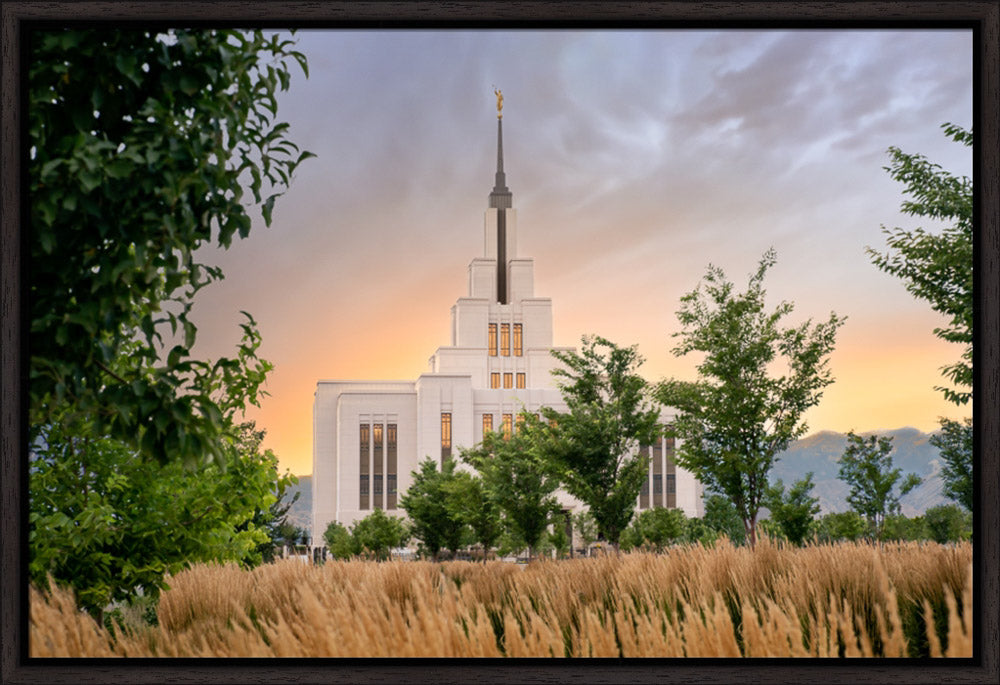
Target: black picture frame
{"points": [[981, 16]]}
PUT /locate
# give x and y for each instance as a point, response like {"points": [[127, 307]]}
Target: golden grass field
{"points": [[849, 599]]}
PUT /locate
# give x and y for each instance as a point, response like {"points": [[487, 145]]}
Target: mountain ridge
{"points": [[818, 452]]}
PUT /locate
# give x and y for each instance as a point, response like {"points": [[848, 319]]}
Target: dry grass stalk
{"points": [[820, 601]]}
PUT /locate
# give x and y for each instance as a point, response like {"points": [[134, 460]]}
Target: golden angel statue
{"points": [[499, 102]]}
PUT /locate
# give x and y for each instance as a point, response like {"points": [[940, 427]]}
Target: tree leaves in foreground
{"points": [[594, 445], [111, 525], [142, 146], [738, 416], [866, 467], [936, 267]]}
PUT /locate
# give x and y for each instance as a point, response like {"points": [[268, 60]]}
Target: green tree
{"points": [[793, 512], [559, 537], [948, 523], [273, 519], [738, 417], [866, 467], [586, 527], [517, 479], [339, 541], [936, 267], [437, 525], [656, 528], [840, 526], [378, 534], [141, 144], [594, 446], [955, 443], [722, 517], [696, 531], [900, 527], [469, 500], [108, 524]]}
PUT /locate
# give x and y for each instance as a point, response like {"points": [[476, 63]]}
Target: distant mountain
{"points": [[818, 453], [821, 451], [300, 513]]}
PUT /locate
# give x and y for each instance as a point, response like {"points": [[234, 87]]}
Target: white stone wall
{"points": [[338, 410], [458, 382]]}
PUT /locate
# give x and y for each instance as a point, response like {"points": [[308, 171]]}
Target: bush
{"points": [[948, 523], [340, 542]]}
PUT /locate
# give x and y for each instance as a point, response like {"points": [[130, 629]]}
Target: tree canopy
{"points": [[738, 417], [593, 446], [142, 145], [517, 479], [793, 510], [107, 523], [936, 267], [955, 443], [436, 524], [866, 467]]}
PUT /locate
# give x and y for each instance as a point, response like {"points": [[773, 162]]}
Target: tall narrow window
{"points": [[517, 340], [508, 380], [487, 423], [520, 422], [493, 340], [363, 465], [657, 474], [445, 436], [644, 492], [377, 470], [520, 380], [495, 379], [671, 473], [508, 420], [505, 339], [390, 465]]}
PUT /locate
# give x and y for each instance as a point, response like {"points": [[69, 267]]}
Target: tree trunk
{"points": [[750, 525]]}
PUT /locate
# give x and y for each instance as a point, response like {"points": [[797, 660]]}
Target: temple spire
{"points": [[501, 197]]}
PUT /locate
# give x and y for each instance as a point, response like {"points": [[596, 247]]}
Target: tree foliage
{"points": [[468, 499], [378, 534], [655, 528], [585, 527], [594, 445], [738, 417], [793, 511], [339, 541], [936, 267], [948, 523], [722, 517], [955, 443], [841, 526], [515, 475], [435, 523], [866, 467], [142, 145], [108, 524]]}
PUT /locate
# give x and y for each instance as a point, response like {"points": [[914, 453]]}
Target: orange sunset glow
{"points": [[636, 159]]}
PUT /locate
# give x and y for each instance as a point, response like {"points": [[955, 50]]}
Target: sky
{"points": [[636, 159]]}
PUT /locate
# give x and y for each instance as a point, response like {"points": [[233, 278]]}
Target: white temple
{"points": [[368, 436]]}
